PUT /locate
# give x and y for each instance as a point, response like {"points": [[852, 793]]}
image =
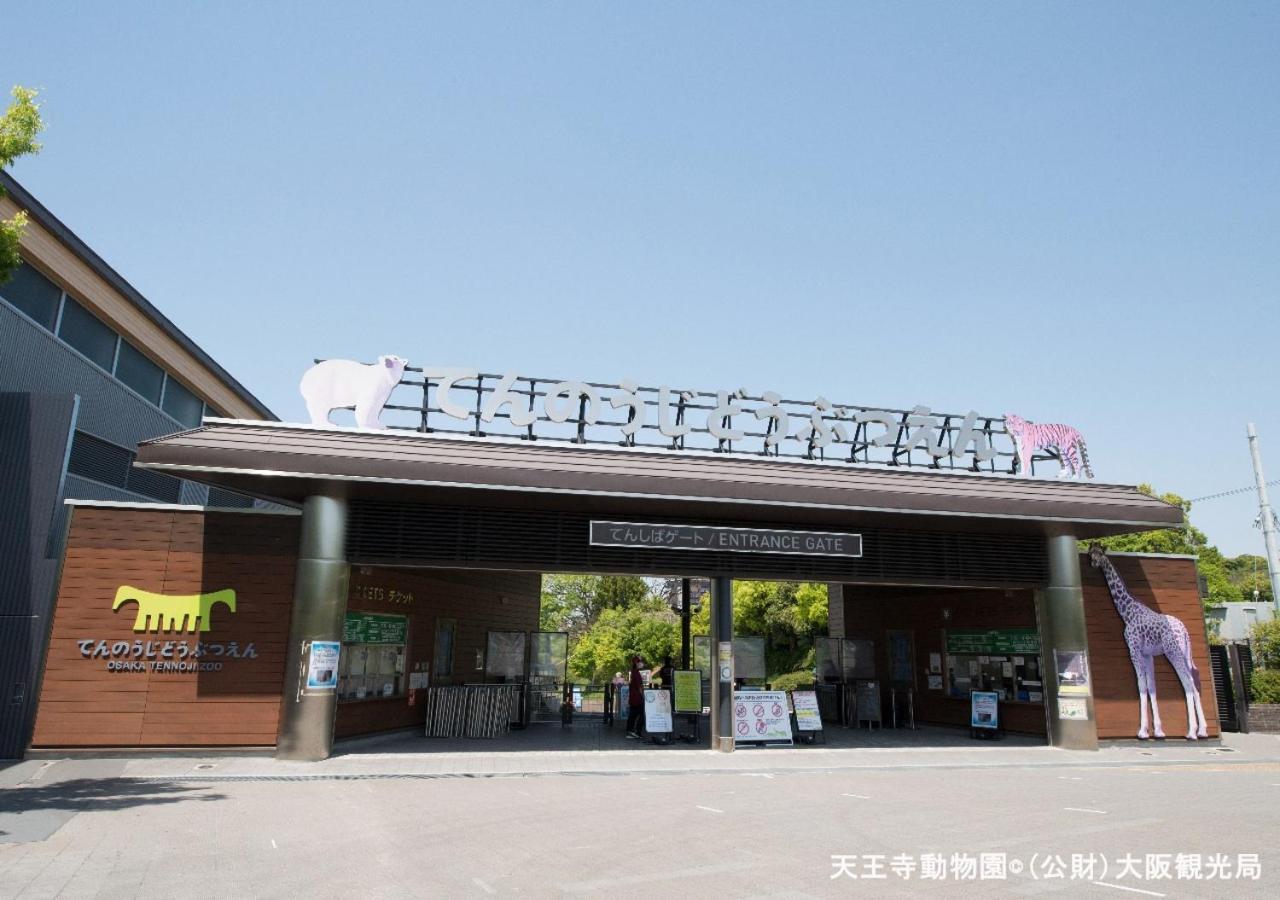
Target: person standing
{"points": [[635, 699]]}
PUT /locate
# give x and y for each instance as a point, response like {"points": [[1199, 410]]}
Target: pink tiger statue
{"points": [[1028, 437]]}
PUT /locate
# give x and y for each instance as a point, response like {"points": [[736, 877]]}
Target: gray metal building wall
{"points": [[48, 392], [35, 440]]}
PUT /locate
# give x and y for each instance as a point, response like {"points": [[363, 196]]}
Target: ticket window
{"points": [[1015, 677], [373, 662]]}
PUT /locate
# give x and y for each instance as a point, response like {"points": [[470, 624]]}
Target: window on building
{"points": [[102, 461], [229, 499], [155, 485], [372, 664], [442, 650], [34, 294], [183, 405], [139, 373], [84, 331]]}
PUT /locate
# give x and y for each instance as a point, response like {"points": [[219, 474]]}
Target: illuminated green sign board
{"points": [[688, 691], [993, 641], [369, 628]]}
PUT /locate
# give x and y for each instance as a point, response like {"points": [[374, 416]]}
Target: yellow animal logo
{"points": [[187, 612]]}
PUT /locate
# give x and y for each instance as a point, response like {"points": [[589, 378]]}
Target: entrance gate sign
{"points": [[761, 717], [742, 421], [655, 536]]}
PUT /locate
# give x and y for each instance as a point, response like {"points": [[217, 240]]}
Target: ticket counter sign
{"points": [[806, 705], [657, 711], [761, 717], [984, 710], [688, 686], [370, 628]]}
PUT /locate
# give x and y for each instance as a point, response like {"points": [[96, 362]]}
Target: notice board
{"points": [[688, 684], [761, 717], [807, 716], [657, 711]]}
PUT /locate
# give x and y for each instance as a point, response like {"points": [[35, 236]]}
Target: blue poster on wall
{"points": [[322, 665]]}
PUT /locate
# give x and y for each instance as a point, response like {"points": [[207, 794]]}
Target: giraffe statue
{"points": [[1150, 634]]}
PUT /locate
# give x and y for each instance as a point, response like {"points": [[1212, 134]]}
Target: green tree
{"points": [[573, 603], [1249, 573], [1188, 539], [1265, 637], [787, 614], [647, 628], [19, 127]]}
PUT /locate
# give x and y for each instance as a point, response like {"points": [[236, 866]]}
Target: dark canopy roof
{"points": [[288, 462]]}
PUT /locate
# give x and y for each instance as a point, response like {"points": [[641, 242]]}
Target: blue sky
{"points": [[1067, 211]]}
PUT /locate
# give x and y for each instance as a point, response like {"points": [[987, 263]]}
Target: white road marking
{"points": [[273, 844], [484, 887], [856, 796], [711, 809], [1101, 812], [1122, 887], [758, 775]]}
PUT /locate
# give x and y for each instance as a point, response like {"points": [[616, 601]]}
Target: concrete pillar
{"points": [[722, 675], [319, 607], [1060, 613]]}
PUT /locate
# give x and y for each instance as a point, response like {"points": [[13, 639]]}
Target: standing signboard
{"points": [[807, 715], [867, 702], [322, 665], [657, 711], [984, 711], [761, 717], [688, 690]]}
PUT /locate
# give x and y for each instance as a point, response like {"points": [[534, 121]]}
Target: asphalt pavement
{"points": [[384, 820]]}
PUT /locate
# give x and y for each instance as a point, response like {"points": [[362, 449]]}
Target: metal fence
{"points": [[472, 710]]}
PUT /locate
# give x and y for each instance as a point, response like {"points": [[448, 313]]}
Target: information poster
{"points": [[1073, 671], [807, 716], [984, 709], [725, 661], [688, 691], [657, 711], [761, 717], [1073, 708], [322, 665]]}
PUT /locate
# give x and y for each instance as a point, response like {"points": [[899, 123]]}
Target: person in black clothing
{"points": [[666, 673], [635, 700]]}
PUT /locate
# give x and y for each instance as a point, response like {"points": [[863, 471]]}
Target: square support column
{"points": [[319, 609], [722, 673], [1060, 614]]}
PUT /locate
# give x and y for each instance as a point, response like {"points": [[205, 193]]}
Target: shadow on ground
{"points": [[92, 794]]}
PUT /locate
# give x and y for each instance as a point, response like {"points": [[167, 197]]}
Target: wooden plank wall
{"points": [[1169, 586], [83, 704], [870, 612], [480, 602]]}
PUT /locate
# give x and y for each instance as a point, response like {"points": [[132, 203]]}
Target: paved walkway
{"points": [[549, 750]]}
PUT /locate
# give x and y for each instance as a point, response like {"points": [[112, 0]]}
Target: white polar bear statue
{"points": [[337, 383]]}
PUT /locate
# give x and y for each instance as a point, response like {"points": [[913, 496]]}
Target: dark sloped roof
{"points": [[290, 461]]}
